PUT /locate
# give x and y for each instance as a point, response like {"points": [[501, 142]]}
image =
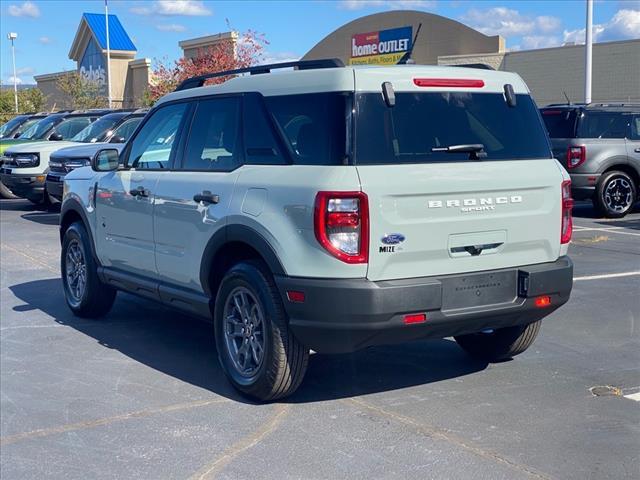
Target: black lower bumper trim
{"points": [[25, 186], [55, 186], [344, 315]]}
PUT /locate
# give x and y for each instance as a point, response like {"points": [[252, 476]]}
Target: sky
{"points": [[46, 28]]}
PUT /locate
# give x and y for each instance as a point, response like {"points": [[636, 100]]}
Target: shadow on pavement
{"points": [[184, 348], [586, 210], [43, 218]]}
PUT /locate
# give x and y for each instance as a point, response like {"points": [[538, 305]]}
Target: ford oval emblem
{"points": [[393, 239]]}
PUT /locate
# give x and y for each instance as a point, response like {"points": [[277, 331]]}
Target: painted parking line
{"points": [[633, 396], [606, 275], [617, 230]]}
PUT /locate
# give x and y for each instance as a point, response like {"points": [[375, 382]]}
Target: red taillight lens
{"points": [[576, 156], [341, 225], [415, 318], [543, 301], [448, 82], [295, 297], [566, 227]]}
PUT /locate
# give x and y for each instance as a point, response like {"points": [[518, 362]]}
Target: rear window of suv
{"points": [[560, 123], [419, 122]]}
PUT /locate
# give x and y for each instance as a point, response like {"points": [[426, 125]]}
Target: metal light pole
{"points": [[106, 20], [12, 36], [588, 52]]}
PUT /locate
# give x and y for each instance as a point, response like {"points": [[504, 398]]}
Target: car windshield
{"points": [[39, 130], [447, 126], [11, 125], [97, 129], [560, 122]]}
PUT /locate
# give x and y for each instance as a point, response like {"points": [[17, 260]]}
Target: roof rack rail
{"points": [[198, 81], [480, 66], [614, 104]]}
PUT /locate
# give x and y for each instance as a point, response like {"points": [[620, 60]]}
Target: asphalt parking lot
{"points": [[139, 394]]}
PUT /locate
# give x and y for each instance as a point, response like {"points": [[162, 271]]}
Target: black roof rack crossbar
{"points": [[199, 81]]}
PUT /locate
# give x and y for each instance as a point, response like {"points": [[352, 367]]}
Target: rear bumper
{"points": [[25, 186], [583, 186], [344, 315], [55, 185]]}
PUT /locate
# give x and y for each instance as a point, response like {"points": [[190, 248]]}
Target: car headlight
{"points": [[26, 160], [4, 159], [77, 163]]}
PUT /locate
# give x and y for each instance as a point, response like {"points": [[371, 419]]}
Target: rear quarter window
{"points": [[314, 125], [594, 124]]}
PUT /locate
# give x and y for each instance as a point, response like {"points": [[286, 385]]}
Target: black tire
{"points": [[284, 359], [6, 193], [96, 298], [500, 344], [616, 194]]}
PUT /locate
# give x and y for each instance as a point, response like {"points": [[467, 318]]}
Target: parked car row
{"points": [[35, 160]]}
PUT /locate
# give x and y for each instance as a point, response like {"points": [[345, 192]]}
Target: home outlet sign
{"points": [[385, 47]]}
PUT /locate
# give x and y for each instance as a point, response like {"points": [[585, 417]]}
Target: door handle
{"points": [[206, 197], [139, 192], [637, 150]]}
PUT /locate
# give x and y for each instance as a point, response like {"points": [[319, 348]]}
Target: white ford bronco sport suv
{"points": [[329, 208]]}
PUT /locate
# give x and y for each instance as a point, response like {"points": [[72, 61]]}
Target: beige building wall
{"points": [[551, 71], [119, 73], [438, 36], [55, 99], [193, 47], [137, 83]]}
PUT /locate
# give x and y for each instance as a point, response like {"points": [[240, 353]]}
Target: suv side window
{"points": [[126, 128], [213, 139], [261, 147], [153, 146], [635, 128], [314, 125], [596, 124], [70, 127]]}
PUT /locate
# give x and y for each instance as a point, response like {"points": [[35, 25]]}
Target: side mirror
{"points": [[117, 139], [17, 135], [106, 160], [56, 137]]}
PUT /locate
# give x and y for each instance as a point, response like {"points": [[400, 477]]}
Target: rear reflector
{"points": [[295, 297], [448, 82], [543, 301], [415, 318]]}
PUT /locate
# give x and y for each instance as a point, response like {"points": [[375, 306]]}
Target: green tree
{"points": [[82, 94]]}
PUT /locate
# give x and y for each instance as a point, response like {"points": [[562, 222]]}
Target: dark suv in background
{"points": [[599, 145]]}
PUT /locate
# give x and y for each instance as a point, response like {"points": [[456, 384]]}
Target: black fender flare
{"points": [[242, 234], [74, 205]]}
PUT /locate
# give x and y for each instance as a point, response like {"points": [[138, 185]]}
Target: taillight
{"points": [[576, 156], [341, 225], [566, 227], [448, 82]]}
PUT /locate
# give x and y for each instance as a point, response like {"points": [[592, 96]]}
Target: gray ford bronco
{"points": [[329, 208], [599, 145]]}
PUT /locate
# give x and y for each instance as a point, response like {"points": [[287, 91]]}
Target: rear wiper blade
{"points": [[475, 150]]}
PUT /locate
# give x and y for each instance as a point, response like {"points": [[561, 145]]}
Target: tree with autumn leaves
{"points": [[246, 51]]}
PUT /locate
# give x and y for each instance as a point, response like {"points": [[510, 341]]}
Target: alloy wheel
{"points": [[618, 195], [244, 331], [76, 271]]}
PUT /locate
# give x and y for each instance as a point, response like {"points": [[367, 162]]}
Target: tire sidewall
{"points": [[602, 187], [246, 275]]}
